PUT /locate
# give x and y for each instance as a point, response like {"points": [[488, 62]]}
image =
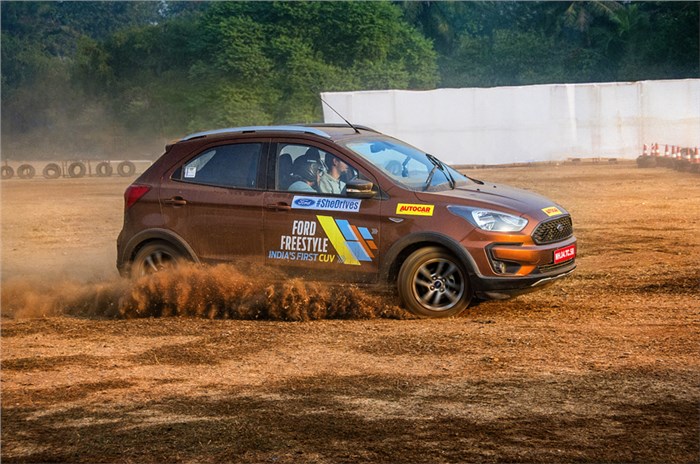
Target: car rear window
{"points": [[226, 166]]}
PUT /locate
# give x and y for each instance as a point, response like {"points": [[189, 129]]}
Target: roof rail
{"points": [[340, 125], [309, 130]]}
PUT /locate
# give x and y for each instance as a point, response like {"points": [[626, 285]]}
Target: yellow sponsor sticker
{"points": [[552, 211], [414, 210]]}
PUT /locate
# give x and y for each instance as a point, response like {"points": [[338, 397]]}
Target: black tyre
{"points": [[126, 169], [155, 257], [104, 169], [52, 171], [26, 171], [434, 283], [7, 172], [76, 169]]}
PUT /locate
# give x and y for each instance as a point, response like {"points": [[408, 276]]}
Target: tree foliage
{"points": [[169, 67], [515, 43], [259, 62]]}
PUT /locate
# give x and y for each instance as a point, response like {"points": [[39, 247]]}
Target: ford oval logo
{"points": [[304, 202]]}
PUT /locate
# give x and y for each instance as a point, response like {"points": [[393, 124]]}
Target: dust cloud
{"points": [[214, 292]]}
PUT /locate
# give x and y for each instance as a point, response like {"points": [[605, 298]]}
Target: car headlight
{"points": [[487, 219]]}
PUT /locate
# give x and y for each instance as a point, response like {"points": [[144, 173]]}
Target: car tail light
{"points": [[133, 193]]}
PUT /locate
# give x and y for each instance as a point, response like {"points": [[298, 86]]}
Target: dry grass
{"points": [[601, 367]]}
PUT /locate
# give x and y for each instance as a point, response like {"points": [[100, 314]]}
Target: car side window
{"points": [[305, 168], [225, 166]]}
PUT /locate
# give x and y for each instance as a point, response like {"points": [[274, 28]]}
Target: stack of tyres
{"points": [[73, 169]]}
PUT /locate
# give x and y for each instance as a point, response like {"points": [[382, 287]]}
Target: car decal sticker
{"points": [[552, 211], [414, 210], [353, 244], [335, 235], [354, 240], [303, 244], [348, 205]]}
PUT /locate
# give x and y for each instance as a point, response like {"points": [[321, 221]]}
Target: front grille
{"points": [[553, 231]]}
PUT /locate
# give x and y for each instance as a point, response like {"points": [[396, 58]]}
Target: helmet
{"points": [[307, 168]]}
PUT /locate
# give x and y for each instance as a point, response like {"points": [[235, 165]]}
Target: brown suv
{"points": [[343, 203]]}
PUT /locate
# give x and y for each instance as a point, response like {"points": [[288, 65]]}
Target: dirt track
{"points": [[601, 367]]}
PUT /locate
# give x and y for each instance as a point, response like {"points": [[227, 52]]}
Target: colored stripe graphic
{"points": [[353, 240], [365, 233], [362, 242], [338, 240], [346, 229], [358, 251]]}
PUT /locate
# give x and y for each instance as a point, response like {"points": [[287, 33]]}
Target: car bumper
{"points": [[501, 288], [506, 268]]}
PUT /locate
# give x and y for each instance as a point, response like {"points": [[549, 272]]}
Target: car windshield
{"points": [[407, 165]]}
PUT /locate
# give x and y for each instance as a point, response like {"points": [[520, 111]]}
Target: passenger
{"points": [[330, 181], [308, 173]]}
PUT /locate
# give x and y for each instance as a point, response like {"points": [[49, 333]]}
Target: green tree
{"points": [[91, 74], [241, 63], [508, 43], [42, 107]]}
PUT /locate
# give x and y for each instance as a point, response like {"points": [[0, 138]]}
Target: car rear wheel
{"points": [[155, 257], [434, 283]]}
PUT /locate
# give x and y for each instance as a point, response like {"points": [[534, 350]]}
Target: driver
{"points": [[307, 172], [330, 181]]}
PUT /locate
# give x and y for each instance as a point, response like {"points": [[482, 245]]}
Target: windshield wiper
{"points": [[430, 177], [437, 164], [476, 181], [446, 170]]}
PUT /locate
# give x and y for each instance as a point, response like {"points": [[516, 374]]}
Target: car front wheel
{"points": [[155, 257], [434, 283]]}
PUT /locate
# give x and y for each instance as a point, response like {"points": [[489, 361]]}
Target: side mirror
{"points": [[358, 188]]}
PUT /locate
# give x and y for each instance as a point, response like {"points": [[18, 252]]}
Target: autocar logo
{"points": [[304, 202], [415, 210], [560, 227]]}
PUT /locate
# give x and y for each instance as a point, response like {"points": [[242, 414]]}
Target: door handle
{"points": [[175, 201], [279, 207]]}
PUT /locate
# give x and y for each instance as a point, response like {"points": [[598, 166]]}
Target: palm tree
{"points": [[581, 15]]}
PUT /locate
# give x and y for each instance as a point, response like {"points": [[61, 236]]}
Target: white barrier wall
{"points": [[531, 123]]}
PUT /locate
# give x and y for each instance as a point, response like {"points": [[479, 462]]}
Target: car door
{"points": [[314, 232], [214, 200]]}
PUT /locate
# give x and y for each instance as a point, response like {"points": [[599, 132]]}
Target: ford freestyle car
{"points": [[345, 203]]}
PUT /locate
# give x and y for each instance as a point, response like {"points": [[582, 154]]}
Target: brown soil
{"points": [[601, 367]]}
